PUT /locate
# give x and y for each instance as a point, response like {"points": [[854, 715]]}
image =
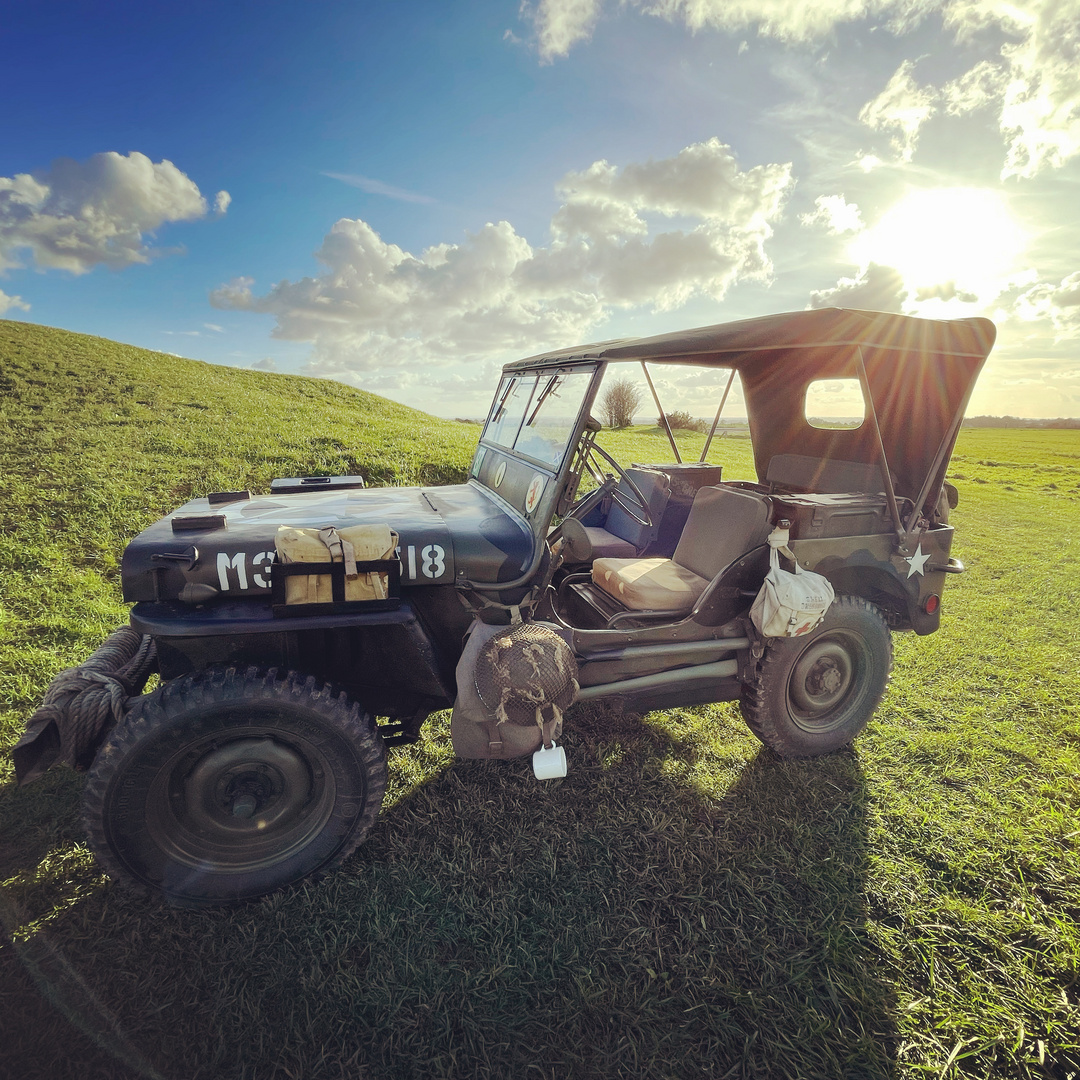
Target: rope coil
{"points": [[80, 703]]}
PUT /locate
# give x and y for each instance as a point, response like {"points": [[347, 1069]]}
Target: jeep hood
{"points": [[444, 534]]}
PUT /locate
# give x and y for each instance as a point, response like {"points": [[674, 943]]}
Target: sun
{"points": [[951, 244]]}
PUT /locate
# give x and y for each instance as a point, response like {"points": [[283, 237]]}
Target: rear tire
{"points": [[221, 787], [814, 694]]}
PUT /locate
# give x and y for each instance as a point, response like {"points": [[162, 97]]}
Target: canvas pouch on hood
{"points": [[789, 604], [356, 543]]}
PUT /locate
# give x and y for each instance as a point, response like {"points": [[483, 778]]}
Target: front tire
{"points": [[221, 787], [813, 694]]}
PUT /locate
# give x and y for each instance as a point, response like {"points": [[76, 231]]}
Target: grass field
{"points": [[683, 904]]}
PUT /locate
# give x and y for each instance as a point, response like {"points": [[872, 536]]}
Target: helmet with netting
{"points": [[527, 676]]}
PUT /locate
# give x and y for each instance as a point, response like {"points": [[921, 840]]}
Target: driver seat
{"points": [[619, 536]]}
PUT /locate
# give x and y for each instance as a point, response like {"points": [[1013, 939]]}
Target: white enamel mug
{"points": [[549, 762]]}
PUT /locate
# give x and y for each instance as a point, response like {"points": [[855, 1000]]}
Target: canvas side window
{"points": [[835, 403]]}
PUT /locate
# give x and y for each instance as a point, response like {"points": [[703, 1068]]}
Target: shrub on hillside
{"points": [[681, 419]]}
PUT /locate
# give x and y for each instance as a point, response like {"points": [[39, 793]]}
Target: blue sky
{"points": [[404, 196]]}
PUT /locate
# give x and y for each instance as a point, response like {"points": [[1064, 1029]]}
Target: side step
{"points": [[615, 665], [681, 678]]}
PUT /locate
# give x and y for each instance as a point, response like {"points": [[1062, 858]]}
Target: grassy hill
{"points": [[98, 439], [683, 904]]}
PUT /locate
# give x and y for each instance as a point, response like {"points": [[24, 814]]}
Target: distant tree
{"points": [[619, 403], [1020, 422]]}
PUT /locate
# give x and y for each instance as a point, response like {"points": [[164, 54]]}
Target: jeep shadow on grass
{"points": [[669, 909], [299, 634]]}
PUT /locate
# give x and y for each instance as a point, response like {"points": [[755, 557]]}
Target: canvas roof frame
{"points": [[919, 374]]}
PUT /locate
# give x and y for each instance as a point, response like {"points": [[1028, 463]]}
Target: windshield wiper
{"points": [[501, 408], [555, 381]]}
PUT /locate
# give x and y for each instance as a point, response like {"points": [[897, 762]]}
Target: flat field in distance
{"points": [[683, 904]]}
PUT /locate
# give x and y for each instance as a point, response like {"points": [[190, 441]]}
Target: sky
{"points": [[404, 196]]}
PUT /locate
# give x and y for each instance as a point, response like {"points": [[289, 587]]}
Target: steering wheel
{"points": [[631, 501]]}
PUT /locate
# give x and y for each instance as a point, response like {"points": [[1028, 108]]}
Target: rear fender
{"points": [[874, 568]]}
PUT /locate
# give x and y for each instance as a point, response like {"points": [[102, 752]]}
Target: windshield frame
{"points": [[545, 385], [529, 487]]}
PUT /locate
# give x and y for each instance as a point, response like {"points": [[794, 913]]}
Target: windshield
{"points": [[535, 415], [508, 411]]}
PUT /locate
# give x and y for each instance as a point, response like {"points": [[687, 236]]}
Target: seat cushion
{"points": [[649, 584], [607, 545]]}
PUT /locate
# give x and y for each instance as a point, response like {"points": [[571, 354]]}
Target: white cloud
{"points": [[265, 364], [1033, 83], [981, 87], [377, 306], [377, 187], [877, 288], [77, 215], [12, 303], [464, 392], [787, 20], [835, 214], [901, 108], [869, 162], [214, 326], [1060, 304], [945, 292], [222, 200], [561, 24]]}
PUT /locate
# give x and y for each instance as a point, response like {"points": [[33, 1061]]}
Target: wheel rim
{"points": [[824, 680], [239, 804]]}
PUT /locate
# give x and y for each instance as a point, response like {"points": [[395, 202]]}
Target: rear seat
{"points": [[724, 524]]}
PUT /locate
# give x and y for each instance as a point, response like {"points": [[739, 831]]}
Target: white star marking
{"points": [[917, 561]]}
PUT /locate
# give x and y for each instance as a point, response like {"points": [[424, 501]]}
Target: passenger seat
{"points": [[724, 524]]}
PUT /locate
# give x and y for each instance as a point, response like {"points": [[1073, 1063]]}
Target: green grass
{"points": [[683, 904]]}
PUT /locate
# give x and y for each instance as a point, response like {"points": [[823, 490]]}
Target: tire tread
{"points": [[757, 697], [155, 711]]}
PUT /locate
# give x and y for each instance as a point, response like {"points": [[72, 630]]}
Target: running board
{"points": [[721, 669], [636, 661]]}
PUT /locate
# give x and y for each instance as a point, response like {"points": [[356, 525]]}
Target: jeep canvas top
{"points": [[299, 633]]}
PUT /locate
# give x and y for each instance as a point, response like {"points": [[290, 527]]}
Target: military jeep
{"points": [[261, 757]]}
